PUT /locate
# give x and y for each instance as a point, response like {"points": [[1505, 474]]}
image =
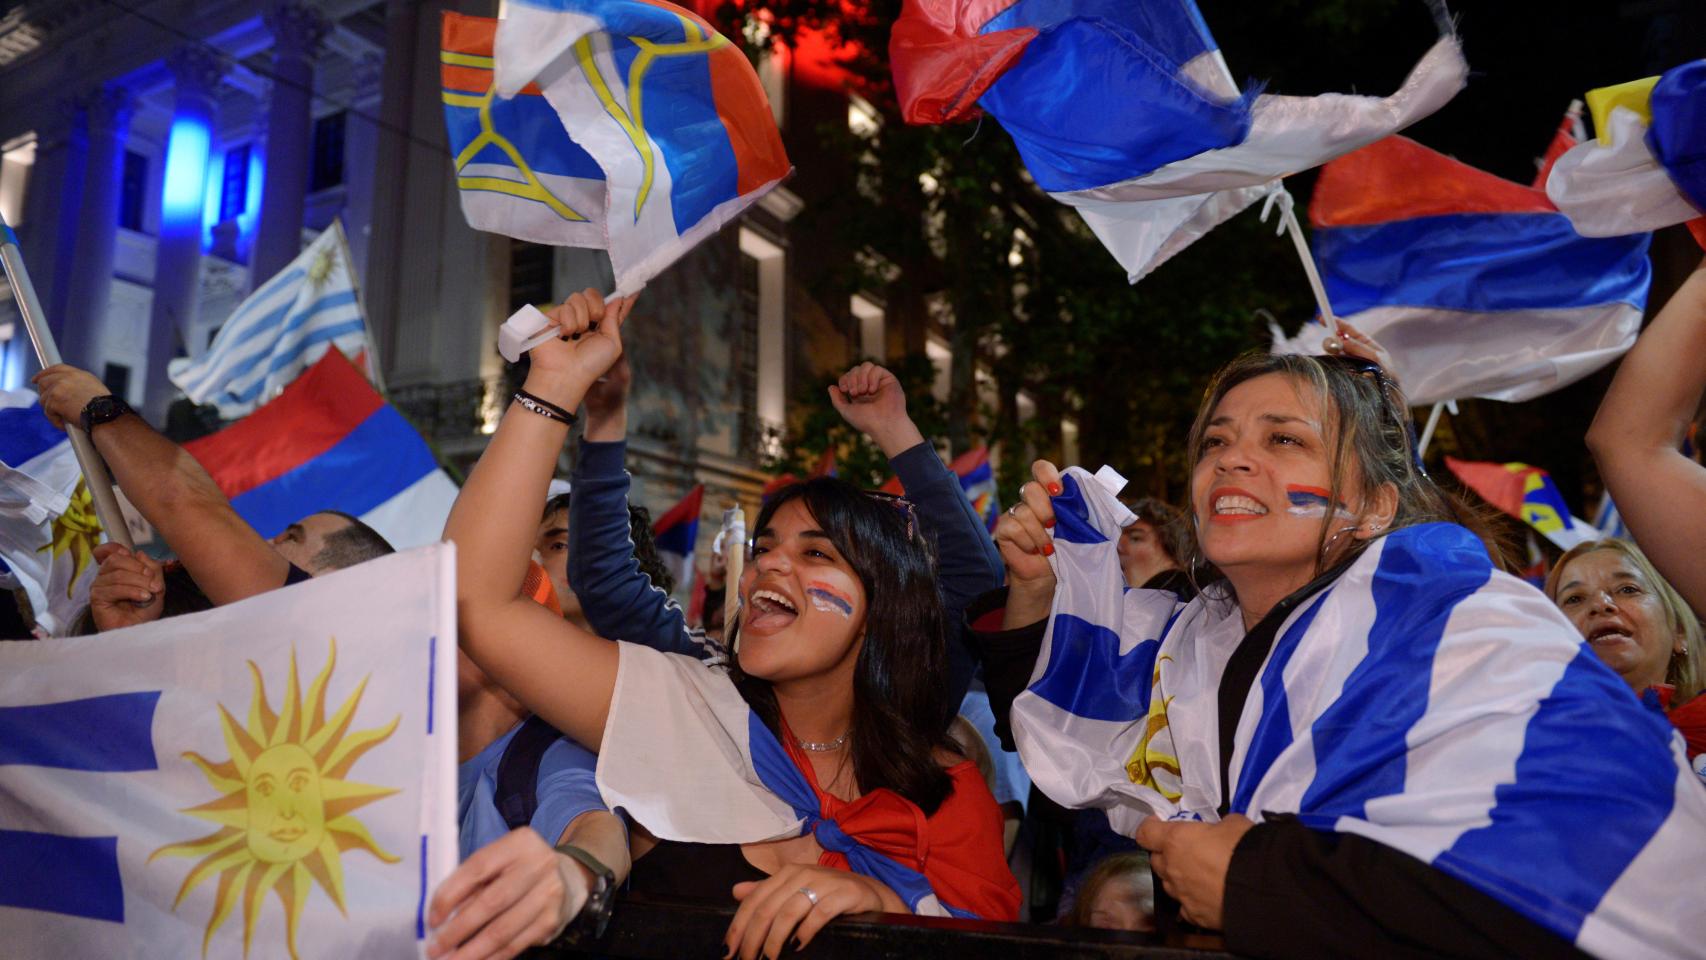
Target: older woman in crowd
{"points": [[1639, 625], [1364, 723], [811, 777]]}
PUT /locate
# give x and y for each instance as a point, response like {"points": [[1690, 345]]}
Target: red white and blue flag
{"points": [[631, 126], [677, 535], [1477, 286], [1127, 111], [977, 479], [330, 442]]}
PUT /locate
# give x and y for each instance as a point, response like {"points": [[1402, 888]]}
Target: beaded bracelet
{"points": [[544, 408]]}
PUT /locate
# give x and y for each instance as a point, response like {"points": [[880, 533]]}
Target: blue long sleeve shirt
{"points": [[620, 602]]}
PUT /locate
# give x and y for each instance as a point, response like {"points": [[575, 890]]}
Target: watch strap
{"points": [[103, 409], [594, 915]]}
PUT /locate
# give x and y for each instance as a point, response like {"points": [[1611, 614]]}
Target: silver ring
{"points": [[810, 894], [1333, 345], [1013, 511]]}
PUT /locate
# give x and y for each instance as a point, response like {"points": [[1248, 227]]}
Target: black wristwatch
{"points": [[595, 913], [103, 410]]}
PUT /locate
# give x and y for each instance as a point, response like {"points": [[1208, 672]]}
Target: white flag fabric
{"points": [[48, 527], [1421, 699], [281, 329], [273, 778]]}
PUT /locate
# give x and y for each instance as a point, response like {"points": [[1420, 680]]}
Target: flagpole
{"points": [[733, 540], [1433, 421], [100, 483], [373, 368], [1279, 197]]}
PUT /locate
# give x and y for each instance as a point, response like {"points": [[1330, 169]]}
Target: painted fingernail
{"points": [[1054, 489], [1048, 549], [1049, 523]]}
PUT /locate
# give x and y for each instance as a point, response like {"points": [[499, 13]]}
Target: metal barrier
{"points": [[643, 929]]}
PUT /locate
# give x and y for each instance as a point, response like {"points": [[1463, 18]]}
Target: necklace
{"points": [[822, 747]]}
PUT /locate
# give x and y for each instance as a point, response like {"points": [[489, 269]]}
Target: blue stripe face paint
{"points": [[828, 599], [1307, 501]]}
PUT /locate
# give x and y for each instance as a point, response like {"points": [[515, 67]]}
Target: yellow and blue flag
{"points": [[273, 778], [631, 126], [1528, 494], [48, 526]]}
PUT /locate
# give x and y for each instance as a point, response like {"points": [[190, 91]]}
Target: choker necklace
{"points": [[822, 747]]}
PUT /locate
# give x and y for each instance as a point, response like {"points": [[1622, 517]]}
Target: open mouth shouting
{"points": [[1609, 635], [1232, 505], [769, 610]]}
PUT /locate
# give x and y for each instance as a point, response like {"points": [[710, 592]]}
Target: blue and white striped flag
{"points": [[1608, 520], [280, 330], [1422, 700], [274, 778]]}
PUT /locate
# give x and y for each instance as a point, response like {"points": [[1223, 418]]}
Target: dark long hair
{"points": [[899, 718]]}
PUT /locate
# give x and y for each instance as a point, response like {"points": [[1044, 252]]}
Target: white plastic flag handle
{"points": [[525, 329], [731, 542]]}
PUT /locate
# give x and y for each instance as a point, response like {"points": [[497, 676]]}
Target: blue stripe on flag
{"points": [[420, 905], [678, 539], [75, 876], [110, 734], [1081, 649], [1361, 742], [1273, 729], [25, 433], [224, 365], [1175, 28], [250, 321], [1072, 515], [703, 171], [376, 461], [294, 355], [1677, 136], [1594, 782], [1480, 262], [533, 128]]}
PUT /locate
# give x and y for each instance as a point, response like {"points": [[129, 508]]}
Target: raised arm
{"points": [[1637, 436], [870, 399], [554, 668], [616, 596], [225, 555]]}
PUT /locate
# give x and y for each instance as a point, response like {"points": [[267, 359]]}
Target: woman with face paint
{"points": [[808, 777], [1639, 625], [1364, 740]]}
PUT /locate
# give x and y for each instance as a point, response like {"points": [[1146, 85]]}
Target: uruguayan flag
{"points": [[280, 330], [1423, 700], [275, 778], [1608, 520], [48, 527]]}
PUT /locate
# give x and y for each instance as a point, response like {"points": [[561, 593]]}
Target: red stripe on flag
{"points": [[1495, 483], [318, 409], [1399, 179], [474, 36], [745, 112], [687, 509]]}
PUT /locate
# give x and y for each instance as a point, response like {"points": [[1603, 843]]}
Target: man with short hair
{"points": [[225, 556]]}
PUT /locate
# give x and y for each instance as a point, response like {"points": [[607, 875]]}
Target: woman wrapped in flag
{"points": [[811, 776], [1365, 740]]}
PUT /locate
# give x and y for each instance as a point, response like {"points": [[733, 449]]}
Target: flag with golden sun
{"points": [[48, 527], [270, 779]]}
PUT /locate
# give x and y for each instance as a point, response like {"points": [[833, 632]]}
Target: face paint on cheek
{"points": [[828, 599], [1312, 502]]}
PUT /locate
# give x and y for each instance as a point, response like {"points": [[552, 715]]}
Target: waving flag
{"points": [[1363, 720], [677, 536], [625, 125], [48, 527], [977, 479], [1478, 286], [1647, 167], [279, 331], [271, 778], [1129, 113], [1528, 494], [330, 442]]}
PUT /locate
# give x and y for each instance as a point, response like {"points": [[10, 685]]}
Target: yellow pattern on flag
{"points": [[76, 532], [530, 187]]}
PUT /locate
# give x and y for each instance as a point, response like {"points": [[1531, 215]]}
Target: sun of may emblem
{"points": [[285, 804]]}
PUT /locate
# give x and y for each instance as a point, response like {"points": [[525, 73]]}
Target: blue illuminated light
{"points": [[186, 172], [210, 198]]}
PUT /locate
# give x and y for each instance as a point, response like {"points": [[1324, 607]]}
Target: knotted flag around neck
{"points": [[1646, 169], [1128, 112], [630, 126]]}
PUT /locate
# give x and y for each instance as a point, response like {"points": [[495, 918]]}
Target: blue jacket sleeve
{"points": [[567, 787], [967, 563], [618, 600]]}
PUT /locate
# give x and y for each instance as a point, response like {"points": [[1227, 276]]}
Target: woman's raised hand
{"points": [[872, 402], [1025, 537], [588, 343]]}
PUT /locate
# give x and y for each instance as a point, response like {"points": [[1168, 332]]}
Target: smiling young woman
{"points": [[809, 777], [1364, 739]]}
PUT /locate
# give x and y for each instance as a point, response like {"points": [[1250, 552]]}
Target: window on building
{"points": [[133, 191], [873, 344], [530, 270], [762, 289], [15, 164], [942, 358], [117, 378], [234, 182], [328, 167]]}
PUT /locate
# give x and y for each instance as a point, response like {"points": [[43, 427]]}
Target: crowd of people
{"points": [[850, 741]]}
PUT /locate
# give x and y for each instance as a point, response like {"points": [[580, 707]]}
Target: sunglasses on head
{"points": [[900, 503], [1389, 391]]}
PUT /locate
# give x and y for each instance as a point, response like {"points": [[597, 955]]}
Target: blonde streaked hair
{"points": [[1684, 671]]}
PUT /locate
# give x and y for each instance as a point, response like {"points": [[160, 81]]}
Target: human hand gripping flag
{"points": [[623, 125], [1129, 113]]}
